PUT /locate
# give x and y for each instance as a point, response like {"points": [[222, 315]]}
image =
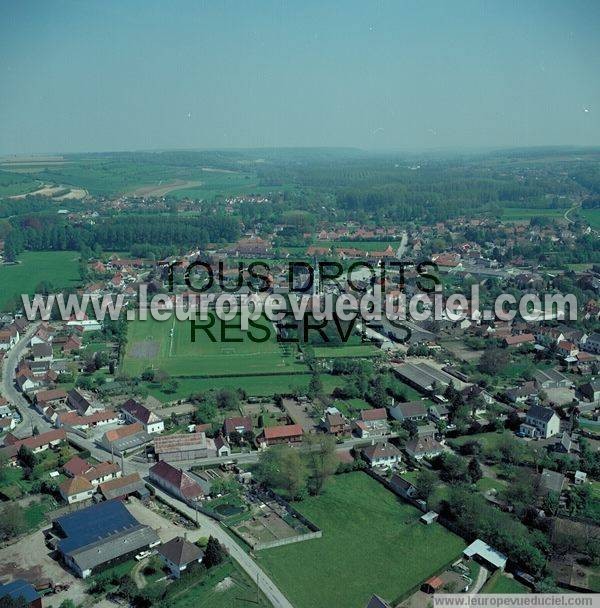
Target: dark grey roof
{"points": [[540, 412], [180, 551], [107, 549], [412, 408]]}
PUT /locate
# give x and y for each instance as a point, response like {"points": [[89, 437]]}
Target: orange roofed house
{"points": [[275, 435]]}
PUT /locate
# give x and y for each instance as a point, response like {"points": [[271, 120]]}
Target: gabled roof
{"points": [[412, 408], [76, 466], [281, 432], [41, 349], [374, 414], [75, 485], [139, 411], [180, 551], [19, 588], [101, 470], [177, 478], [37, 441], [125, 431], [121, 485], [230, 424], [381, 450], [539, 412]]}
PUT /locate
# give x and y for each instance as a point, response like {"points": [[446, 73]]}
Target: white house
{"points": [[384, 455], [178, 554], [134, 411], [540, 422], [76, 489]]}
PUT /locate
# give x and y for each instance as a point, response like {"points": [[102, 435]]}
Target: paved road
{"points": [[212, 528], [29, 418]]}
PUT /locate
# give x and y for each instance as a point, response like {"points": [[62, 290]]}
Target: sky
{"points": [[106, 75]]}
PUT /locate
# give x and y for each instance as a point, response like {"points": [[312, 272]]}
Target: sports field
{"points": [[372, 543], [168, 346]]}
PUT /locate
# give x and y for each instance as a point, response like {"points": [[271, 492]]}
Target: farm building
{"points": [[99, 535]]}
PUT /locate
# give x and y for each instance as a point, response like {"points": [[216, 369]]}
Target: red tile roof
{"points": [[281, 432]]}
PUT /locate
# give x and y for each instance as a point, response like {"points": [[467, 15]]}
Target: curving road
{"points": [[212, 528], [29, 418]]}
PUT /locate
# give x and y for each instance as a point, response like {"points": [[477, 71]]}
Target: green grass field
{"points": [[592, 216], [151, 345], [513, 214], [372, 543], [338, 352], [500, 583], [60, 268]]}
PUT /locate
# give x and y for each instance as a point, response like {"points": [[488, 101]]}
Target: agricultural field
{"points": [[515, 214], [362, 245], [372, 543], [168, 346], [60, 268], [592, 216]]}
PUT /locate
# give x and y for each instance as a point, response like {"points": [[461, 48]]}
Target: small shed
{"points": [[432, 585], [429, 517]]}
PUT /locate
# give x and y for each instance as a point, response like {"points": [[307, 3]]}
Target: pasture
{"points": [[372, 543], [59, 268], [592, 216], [168, 346]]}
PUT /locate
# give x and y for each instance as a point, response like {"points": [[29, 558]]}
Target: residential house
{"points": [[9, 336], [438, 412], [76, 489], [134, 411], [176, 482], [237, 424], [54, 397], [566, 349], [373, 422], [540, 422], [42, 352], [335, 424], [275, 435], [383, 455], [38, 443], [104, 471], [520, 394], [219, 445], [76, 466], [179, 554], [424, 446], [81, 403], [75, 421], [411, 410], [592, 344], [590, 391], [519, 340]]}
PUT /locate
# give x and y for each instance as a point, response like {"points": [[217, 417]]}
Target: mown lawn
{"points": [[168, 346], [372, 543], [504, 584], [60, 268]]}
